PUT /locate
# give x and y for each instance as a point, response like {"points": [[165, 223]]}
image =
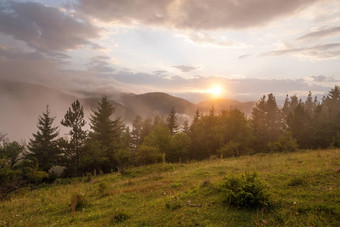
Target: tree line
{"points": [[111, 146]]}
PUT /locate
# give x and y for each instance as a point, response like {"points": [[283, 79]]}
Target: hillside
{"points": [[304, 188], [150, 104]]}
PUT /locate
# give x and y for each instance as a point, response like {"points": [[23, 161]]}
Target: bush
{"points": [[173, 203], [229, 150], [119, 217], [336, 140], [148, 155], [284, 143], [245, 191], [124, 159]]}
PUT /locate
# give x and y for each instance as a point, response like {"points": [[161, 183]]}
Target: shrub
{"points": [[148, 155], [296, 181], [124, 159], [336, 140], [284, 143], [119, 217], [229, 150], [245, 191], [173, 203]]}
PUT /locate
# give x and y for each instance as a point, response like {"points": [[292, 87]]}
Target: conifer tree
{"points": [[197, 116], [186, 128], [105, 138], [172, 122], [106, 129], [136, 133], [43, 145], [74, 119]]}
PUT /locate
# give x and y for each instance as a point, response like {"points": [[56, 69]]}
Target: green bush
{"points": [[148, 155], [229, 150], [284, 143], [119, 217], [173, 203], [245, 191]]}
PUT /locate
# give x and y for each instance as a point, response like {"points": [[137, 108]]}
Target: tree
{"points": [[43, 145], [15, 170], [105, 137], [105, 129], [136, 133], [186, 128], [147, 127], [74, 119], [197, 116], [266, 122], [172, 122]]}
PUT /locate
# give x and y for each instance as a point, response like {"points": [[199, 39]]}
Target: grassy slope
{"points": [[305, 187]]}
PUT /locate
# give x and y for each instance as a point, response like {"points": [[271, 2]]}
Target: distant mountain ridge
{"points": [[22, 103]]}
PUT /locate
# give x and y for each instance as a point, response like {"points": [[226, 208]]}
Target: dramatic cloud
{"points": [[329, 50], [44, 28], [193, 14], [185, 68], [323, 33]]}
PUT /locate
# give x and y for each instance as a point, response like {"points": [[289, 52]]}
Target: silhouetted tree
{"points": [[136, 133], [74, 119], [266, 122], [43, 145], [186, 128], [172, 122], [105, 138]]}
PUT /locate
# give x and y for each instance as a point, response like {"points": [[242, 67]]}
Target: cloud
{"points": [[324, 51], [330, 79], [36, 68], [45, 28], [193, 14], [185, 68], [323, 33], [244, 56], [101, 64]]}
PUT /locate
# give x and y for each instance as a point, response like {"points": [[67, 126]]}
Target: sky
{"points": [[183, 47]]}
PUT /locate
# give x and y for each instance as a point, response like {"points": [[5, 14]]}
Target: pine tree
{"points": [[266, 121], [136, 134], [105, 138], [172, 122], [186, 128], [197, 116], [74, 118], [43, 145], [105, 129]]}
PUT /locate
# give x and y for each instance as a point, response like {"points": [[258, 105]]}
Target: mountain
{"points": [[157, 103], [22, 103]]}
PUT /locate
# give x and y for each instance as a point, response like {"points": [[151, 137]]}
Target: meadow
{"points": [[304, 190]]}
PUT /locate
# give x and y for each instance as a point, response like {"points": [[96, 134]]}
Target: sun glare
{"points": [[215, 91]]}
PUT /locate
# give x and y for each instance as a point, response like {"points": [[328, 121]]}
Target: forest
{"points": [[112, 146]]}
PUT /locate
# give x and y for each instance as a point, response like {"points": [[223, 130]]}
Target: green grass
{"points": [[304, 188]]}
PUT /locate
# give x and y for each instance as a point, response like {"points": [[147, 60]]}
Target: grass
{"points": [[304, 186]]}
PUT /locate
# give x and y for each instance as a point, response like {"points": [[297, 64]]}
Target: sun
{"points": [[215, 90]]}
